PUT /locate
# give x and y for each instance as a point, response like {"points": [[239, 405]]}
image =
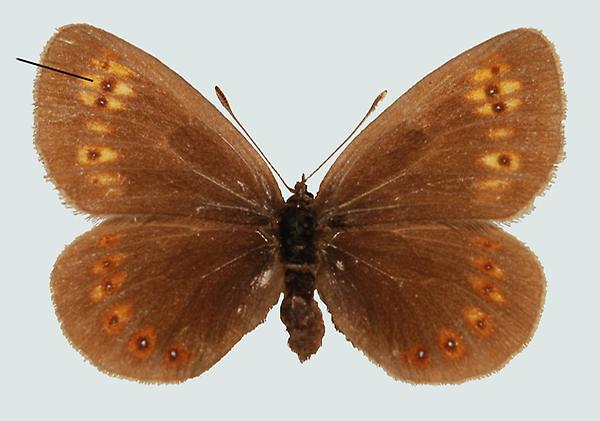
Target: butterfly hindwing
{"points": [[476, 139], [162, 300], [433, 303], [128, 142]]}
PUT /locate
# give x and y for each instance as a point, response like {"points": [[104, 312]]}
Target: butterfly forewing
{"points": [[433, 303], [476, 139], [139, 139], [162, 300]]}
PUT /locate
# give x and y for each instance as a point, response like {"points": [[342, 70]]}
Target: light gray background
{"points": [[300, 77]]}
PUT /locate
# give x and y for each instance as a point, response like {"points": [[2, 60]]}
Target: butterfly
{"points": [[195, 243]]}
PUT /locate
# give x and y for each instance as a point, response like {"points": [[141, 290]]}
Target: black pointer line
{"points": [[54, 69]]}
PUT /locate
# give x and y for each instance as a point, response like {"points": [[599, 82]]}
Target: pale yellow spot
{"points": [[485, 109], [492, 184], [509, 86], [105, 179], [88, 98], [98, 127], [489, 72], [501, 161], [479, 322], [101, 101], [500, 132], [111, 66], [487, 289], [122, 88], [96, 154], [477, 94], [512, 104]]}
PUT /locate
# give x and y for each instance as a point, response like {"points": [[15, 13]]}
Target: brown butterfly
{"points": [[196, 243]]}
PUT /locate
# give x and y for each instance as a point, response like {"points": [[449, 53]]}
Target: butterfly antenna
{"points": [[373, 106], [225, 104]]}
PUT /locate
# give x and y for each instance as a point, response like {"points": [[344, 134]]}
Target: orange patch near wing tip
{"points": [[107, 263], [109, 240], [487, 289], [451, 344], [115, 318], [142, 342], [488, 266], [108, 286], [486, 243]]}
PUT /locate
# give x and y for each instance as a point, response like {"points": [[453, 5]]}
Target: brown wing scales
{"points": [[433, 303]]}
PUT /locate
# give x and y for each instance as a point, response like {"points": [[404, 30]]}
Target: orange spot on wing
{"points": [[98, 127], [143, 342], [108, 286], [96, 154], [105, 179], [478, 321], [451, 344], [486, 243], [176, 355], [109, 240], [111, 66], [488, 267], [107, 263], [418, 356], [115, 318], [487, 289], [489, 72]]}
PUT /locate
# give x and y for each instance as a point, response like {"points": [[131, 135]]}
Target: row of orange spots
{"points": [[494, 90], [104, 91], [493, 96], [450, 343], [143, 341]]}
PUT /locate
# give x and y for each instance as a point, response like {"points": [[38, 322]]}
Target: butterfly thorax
{"points": [[299, 311]]}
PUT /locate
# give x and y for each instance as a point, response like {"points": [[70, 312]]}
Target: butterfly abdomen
{"points": [[299, 311]]}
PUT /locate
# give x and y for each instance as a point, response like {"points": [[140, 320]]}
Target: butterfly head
{"points": [[301, 194]]}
